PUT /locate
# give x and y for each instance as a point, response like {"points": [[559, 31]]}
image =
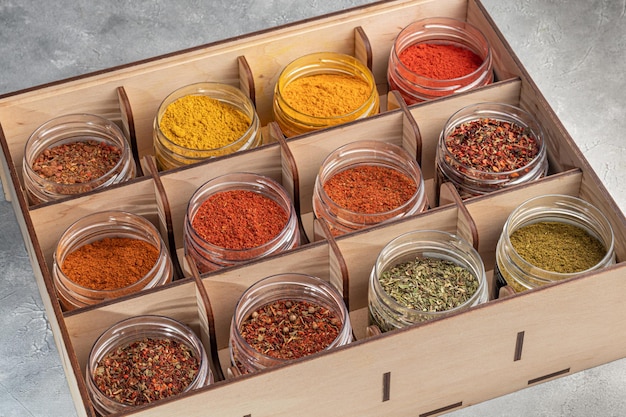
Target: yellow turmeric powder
{"points": [[327, 95], [201, 122]]}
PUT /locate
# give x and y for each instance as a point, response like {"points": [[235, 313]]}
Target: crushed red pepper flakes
{"points": [[146, 370], [492, 145], [370, 189], [76, 162], [239, 219], [290, 329]]}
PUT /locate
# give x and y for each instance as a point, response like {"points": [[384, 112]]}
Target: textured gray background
{"points": [[574, 50]]}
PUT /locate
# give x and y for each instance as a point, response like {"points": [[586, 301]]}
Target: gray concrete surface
{"points": [[574, 50]]}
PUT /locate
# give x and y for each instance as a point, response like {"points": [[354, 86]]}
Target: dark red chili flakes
{"points": [[290, 329], [492, 145], [76, 162], [146, 370]]}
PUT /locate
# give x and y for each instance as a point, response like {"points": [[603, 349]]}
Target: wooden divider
{"points": [[501, 346]]}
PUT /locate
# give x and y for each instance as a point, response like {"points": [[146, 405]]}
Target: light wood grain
{"points": [[432, 367]]}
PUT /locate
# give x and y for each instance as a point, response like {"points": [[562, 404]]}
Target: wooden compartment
{"points": [[426, 369]]}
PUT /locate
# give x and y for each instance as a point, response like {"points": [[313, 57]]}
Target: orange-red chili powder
{"points": [[440, 61], [370, 189], [239, 219], [110, 263]]}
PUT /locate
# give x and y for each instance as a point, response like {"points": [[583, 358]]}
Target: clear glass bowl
{"points": [[170, 155], [287, 286], [209, 257], [98, 226], [385, 311], [293, 122], [135, 329], [470, 181], [415, 88], [366, 153], [73, 128], [513, 270]]}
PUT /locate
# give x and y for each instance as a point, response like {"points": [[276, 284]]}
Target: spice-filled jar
{"points": [[323, 89], [422, 275], [123, 371], [437, 57], [285, 317], [551, 238], [204, 120], [107, 255], [74, 154], [238, 217], [367, 182], [485, 147]]}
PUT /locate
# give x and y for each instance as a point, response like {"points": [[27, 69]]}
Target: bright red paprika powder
{"points": [[239, 219], [440, 61]]}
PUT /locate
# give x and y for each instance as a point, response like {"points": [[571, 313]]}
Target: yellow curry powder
{"points": [[203, 123], [327, 95]]}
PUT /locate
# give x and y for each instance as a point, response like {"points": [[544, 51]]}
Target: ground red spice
{"points": [[290, 329], [110, 263], [239, 219], [370, 189], [76, 162], [440, 61], [492, 145]]}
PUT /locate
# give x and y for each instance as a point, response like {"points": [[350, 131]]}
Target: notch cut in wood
{"points": [[519, 342]]}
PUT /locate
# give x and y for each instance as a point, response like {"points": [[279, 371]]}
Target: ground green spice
{"points": [[557, 247], [429, 284]]}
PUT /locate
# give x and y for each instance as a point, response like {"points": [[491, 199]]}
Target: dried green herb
{"points": [[557, 246], [429, 284]]}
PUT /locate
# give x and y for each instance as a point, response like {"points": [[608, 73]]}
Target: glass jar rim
{"points": [[311, 285], [455, 241], [461, 28], [563, 205], [411, 169], [205, 89], [234, 181], [501, 112], [77, 120], [125, 331], [83, 222], [347, 62]]}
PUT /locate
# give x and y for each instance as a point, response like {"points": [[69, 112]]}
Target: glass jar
{"points": [[363, 154], [415, 88], [209, 257], [513, 270], [136, 329], [295, 122], [387, 313], [283, 287], [471, 181], [170, 154], [98, 226], [67, 130]]}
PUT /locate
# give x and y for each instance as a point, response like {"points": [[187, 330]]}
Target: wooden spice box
{"points": [[428, 369]]}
